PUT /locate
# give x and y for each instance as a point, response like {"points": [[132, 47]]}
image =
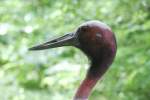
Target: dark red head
{"points": [[98, 42]]}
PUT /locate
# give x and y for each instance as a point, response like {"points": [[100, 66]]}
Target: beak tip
{"points": [[32, 48], [36, 48], [29, 49]]}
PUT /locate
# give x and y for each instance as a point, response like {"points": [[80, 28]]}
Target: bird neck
{"points": [[95, 72], [85, 88]]}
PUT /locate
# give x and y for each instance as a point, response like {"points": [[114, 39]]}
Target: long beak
{"points": [[66, 40]]}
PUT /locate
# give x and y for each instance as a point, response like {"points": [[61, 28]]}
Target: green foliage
{"points": [[54, 74]]}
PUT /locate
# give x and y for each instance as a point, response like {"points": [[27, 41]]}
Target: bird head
{"points": [[93, 38], [98, 42]]}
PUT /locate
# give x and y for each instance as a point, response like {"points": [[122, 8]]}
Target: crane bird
{"points": [[98, 43]]}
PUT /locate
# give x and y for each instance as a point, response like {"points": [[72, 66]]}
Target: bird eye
{"points": [[98, 35]]}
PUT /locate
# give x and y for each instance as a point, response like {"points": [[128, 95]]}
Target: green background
{"points": [[55, 74]]}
